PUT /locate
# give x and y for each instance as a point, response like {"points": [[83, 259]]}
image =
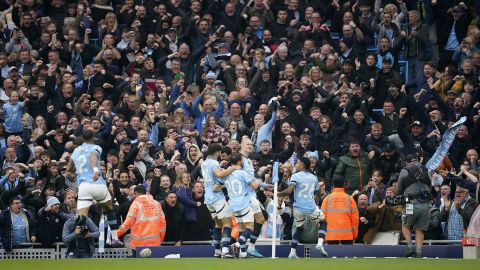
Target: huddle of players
{"points": [[240, 183], [238, 179]]}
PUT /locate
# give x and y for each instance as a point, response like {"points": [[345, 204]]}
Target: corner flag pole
{"points": [[275, 206]]}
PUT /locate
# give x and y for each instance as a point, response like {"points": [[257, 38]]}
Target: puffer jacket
{"points": [[356, 171]]}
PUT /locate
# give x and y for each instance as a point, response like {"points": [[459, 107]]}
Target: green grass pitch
{"points": [[247, 264]]}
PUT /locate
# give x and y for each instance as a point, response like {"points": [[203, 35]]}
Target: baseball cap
{"points": [[411, 157], [179, 76], [457, 9], [388, 147], [386, 60], [416, 123], [348, 62], [451, 91], [125, 141]]}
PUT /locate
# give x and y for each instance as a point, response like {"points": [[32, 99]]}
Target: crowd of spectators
{"points": [[355, 86]]}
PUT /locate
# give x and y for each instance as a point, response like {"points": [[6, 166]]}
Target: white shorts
{"points": [[300, 217], [244, 216], [87, 192], [219, 209], [255, 205]]}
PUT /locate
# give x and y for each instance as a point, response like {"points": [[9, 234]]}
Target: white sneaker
{"points": [[293, 256], [321, 250], [227, 256]]}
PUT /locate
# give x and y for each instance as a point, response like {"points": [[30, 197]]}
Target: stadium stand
{"points": [[371, 92]]}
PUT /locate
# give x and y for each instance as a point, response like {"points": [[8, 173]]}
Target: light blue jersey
{"points": [[305, 186], [13, 116], [81, 159], [209, 178], [248, 168], [237, 184]]}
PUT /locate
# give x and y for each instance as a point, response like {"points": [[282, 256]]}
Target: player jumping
{"points": [[85, 162], [304, 185]]}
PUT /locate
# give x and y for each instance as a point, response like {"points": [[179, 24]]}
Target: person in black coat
{"points": [[389, 161], [329, 138], [124, 202], [460, 146], [415, 141], [37, 101], [357, 127], [101, 75], [379, 90], [458, 22], [264, 83], [279, 27], [366, 218], [56, 142], [225, 14], [199, 230], [174, 214], [50, 222]]}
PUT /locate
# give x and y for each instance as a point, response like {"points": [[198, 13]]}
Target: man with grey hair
{"points": [[235, 114], [457, 213]]}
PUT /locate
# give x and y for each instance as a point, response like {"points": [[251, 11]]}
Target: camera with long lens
{"points": [[394, 201]]}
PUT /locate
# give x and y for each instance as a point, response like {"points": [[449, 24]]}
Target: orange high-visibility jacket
{"points": [[146, 222], [341, 214]]}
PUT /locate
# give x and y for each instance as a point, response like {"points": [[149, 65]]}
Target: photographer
{"points": [[415, 185], [387, 216], [78, 234]]}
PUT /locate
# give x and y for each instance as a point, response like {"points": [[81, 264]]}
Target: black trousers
{"points": [[341, 242]]}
